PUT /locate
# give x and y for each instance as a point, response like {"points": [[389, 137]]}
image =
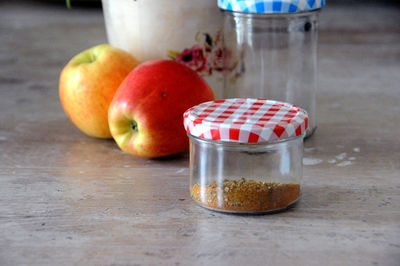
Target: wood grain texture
{"points": [[69, 199]]}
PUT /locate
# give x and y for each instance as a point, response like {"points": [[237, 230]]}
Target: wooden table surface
{"points": [[69, 199]]}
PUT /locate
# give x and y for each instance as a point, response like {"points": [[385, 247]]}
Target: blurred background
{"points": [[97, 3]]}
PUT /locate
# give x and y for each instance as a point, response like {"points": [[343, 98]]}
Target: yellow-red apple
{"points": [[145, 115], [88, 83]]}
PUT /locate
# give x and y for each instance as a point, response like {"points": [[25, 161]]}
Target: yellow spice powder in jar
{"points": [[246, 195]]}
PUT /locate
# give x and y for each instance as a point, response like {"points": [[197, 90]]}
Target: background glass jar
{"points": [[245, 154], [272, 53]]}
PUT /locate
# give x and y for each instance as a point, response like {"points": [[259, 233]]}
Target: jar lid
{"points": [[270, 6], [245, 120]]}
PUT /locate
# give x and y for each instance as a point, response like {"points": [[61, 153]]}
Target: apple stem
{"points": [[134, 126]]}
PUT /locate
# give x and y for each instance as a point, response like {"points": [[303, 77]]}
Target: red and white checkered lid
{"points": [[245, 120]]}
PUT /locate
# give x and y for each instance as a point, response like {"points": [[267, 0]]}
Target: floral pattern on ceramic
{"points": [[205, 57]]}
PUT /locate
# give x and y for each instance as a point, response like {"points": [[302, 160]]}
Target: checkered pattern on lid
{"points": [[270, 6], [245, 120]]}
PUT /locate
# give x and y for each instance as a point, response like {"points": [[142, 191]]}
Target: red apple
{"points": [[88, 83], [145, 115]]}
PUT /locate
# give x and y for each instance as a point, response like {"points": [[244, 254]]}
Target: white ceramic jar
{"points": [[181, 30]]}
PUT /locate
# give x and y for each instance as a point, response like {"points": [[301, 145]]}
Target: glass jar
{"points": [[246, 154], [272, 51], [179, 30]]}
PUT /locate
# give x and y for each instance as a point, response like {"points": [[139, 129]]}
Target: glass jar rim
{"points": [[237, 144]]}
